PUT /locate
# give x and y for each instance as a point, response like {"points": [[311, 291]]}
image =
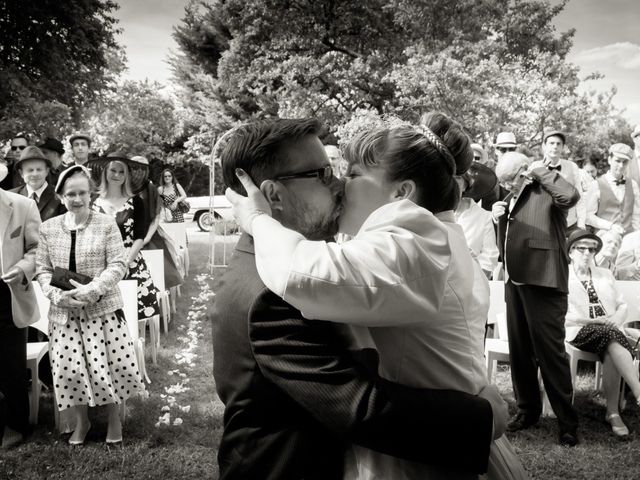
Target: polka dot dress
{"points": [[93, 361]]}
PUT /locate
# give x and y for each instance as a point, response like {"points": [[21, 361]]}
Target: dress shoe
{"points": [[520, 422], [568, 439], [617, 425]]}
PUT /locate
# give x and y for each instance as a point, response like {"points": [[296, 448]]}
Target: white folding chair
{"points": [[155, 262], [178, 233], [35, 352], [129, 293]]}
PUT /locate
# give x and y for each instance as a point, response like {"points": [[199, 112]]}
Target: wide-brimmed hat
{"points": [[78, 135], [621, 150], [482, 180], [582, 235], [552, 132], [31, 153], [506, 140], [138, 171], [53, 145]]}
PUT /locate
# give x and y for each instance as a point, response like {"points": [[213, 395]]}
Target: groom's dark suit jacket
{"points": [[295, 398], [48, 204]]}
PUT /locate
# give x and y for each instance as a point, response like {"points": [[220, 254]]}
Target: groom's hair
{"points": [[256, 148]]}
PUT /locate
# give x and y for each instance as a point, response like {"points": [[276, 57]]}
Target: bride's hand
{"points": [[245, 209]]}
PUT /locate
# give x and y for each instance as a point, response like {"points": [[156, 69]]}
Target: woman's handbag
{"points": [[184, 206]]}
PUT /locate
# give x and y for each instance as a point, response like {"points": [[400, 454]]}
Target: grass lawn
{"points": [[188, 451]]}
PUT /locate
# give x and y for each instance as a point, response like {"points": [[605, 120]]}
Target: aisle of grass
{"points": [[186, 451]]}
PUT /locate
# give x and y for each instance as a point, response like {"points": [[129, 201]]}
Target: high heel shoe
{"points": [[78, 441], [619, 430]]}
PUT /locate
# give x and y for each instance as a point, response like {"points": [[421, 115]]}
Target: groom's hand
{"points": [[245, 209], [499, 407]]}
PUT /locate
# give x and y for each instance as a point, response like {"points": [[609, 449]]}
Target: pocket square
{"points": [[16, 232]]}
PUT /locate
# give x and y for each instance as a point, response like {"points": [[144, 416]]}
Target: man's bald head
{"points": [[510, 165]]}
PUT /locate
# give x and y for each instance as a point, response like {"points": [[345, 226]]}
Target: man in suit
{"points": [[19, 223], [34, 168], [18, 144], [294, 396], [80, 145], [532, 231]]}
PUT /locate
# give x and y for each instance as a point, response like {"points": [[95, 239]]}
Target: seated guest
{"points": [[595, 314], [34, 167], [607, 256], [628, 260]]}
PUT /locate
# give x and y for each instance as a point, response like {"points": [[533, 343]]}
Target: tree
{"points": [[134, 118], [59, 54]]}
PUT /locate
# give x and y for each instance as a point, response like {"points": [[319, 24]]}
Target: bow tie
{"points": [[554, 167], [622, 181]]}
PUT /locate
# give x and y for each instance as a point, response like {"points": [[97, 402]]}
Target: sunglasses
{"points": [[325, 174], [506, 149], [586, 249], [17, 147]]}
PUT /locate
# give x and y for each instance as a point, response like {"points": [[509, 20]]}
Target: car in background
{"points": [[199, 211]]}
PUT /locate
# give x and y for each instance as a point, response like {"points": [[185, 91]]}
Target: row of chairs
{"points": [[497, 348]]}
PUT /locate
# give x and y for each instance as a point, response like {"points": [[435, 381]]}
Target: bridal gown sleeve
{"points": [[393, 273]]}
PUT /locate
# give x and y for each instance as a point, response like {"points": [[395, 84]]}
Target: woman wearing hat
{"points": [[595, 314], [92, 357], [116, 199]]}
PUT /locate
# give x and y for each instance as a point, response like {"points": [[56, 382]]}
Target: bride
{"points": [[406, 275]]}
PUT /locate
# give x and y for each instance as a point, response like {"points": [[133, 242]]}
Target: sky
{"points": [[607, 40]]}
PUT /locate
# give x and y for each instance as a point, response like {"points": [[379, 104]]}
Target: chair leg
{"points": [[34, 392], [573, 368], [491, 365], [598, 379]]}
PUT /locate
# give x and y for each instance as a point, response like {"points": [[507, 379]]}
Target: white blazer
{"points": [[19, 224], [604, 284]]}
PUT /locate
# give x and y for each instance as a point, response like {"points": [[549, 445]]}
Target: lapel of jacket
{"points": [[45, 198], [6, 212]]}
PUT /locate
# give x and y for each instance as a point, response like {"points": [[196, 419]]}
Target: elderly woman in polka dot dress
{"points": [[595, 314], [92, 356]]}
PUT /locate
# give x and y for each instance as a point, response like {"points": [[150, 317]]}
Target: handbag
{"points": [[61, 276], [184, 206]]}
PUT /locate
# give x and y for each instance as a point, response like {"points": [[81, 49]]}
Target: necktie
{"points": [[622, 181], [556, 167], [34, 195]]}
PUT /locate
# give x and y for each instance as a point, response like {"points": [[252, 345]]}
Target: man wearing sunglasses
{"points": [[295, 393], [505, 142], [13, 179]]}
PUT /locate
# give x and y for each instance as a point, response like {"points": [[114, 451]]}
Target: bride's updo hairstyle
{"points": [[431, 154]]}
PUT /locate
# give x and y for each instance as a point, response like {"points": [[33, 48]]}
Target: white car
{"points": [[200, 214]]}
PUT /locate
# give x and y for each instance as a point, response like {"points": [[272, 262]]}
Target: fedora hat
{"points": [[482, 180], [31, 153], [506, 140]]}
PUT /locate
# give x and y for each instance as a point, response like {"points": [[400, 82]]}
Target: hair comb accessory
{"points": [[438, 145]]}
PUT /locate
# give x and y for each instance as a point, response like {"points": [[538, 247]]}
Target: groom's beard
{"points": [[314, 223]]}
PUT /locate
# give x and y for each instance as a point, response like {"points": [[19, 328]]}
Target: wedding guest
{"points": [[608, 253], [92, 354], [172, 194], [80, 145], [34, 167], [19, 222], [594, 321], [628, 260], [53, 150], [117, 200]]}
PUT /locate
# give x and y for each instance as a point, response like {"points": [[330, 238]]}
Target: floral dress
{"points": [[168, 199], [130, 220]]}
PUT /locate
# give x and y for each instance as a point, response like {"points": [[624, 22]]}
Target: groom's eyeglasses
{"points": [[325, 174]]}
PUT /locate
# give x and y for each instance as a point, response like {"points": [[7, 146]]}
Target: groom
{"points": [[294, 395]]}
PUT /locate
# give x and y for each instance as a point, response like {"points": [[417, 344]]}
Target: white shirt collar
{"points": [[610, 178], [37, 192]]}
